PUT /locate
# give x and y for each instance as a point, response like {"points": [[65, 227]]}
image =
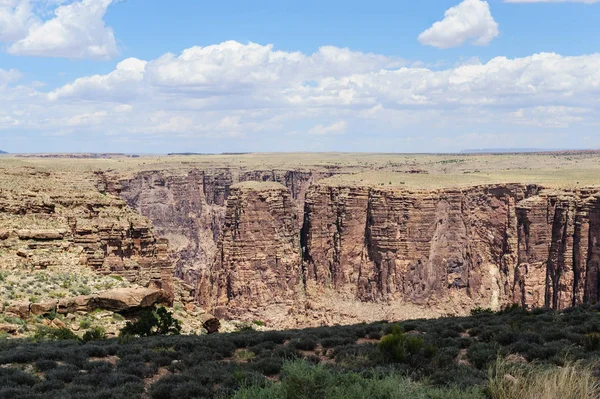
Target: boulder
{"points": [[58, 323], [42, 235], [124, 299], [82, 303], [20, 309], [9, 328], [43, 308], [4, 234], [210, 323]]}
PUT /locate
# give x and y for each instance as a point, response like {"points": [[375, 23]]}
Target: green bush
{"points": [[49, 333], [592, 342], [399, 347], [94, 334], [304, 381], [158, 322]]}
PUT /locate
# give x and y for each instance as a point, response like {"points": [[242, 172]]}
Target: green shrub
{"points": [[49, 333], [304, 381], [95, 334], [159, 322], [480, 311], [399, 347], [591, 342]]}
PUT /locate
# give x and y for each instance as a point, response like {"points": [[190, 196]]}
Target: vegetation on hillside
{"points": [[509, 354]]}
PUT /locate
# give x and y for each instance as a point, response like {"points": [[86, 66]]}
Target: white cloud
{"points": [[335, 128], [470, 20], [119, 85], [16, 17], [256, 94], [9, 76], [77, 30]]}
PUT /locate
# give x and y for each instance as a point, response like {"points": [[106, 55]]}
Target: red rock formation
{"points": [[63, 227], [258, 260], [188, 208], [498, 244]]}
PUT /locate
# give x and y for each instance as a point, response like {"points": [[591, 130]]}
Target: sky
{"points": [[149, 76]]}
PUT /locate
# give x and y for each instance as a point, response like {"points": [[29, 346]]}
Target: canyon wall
{"points": [[498, 244], [239, 249], [258, 256], [188, 208], [54, 225]]}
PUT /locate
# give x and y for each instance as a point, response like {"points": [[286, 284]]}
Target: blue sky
{"points": [[432, 75]]}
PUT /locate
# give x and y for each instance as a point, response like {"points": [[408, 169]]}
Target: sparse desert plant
{"points": [[530, 381], [49, 333]]}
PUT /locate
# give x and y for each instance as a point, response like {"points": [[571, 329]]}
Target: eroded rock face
{"points": [[498, 244], [258, 256], [70, 224], [493, 245], [189, 208]]}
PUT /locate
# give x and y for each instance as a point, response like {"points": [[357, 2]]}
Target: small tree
{"points": [[158, 322]]}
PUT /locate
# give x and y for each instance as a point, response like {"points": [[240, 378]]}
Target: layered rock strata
{"points": [[189, 207], [56, 226], [258, 256], [489, 245]]}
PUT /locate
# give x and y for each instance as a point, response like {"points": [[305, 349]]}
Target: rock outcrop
{"points": [[189, 207], [486, 246], [116, 300], [50, 220], [258, 256]]}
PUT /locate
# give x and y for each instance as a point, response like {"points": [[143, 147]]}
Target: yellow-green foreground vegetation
{"points": [[509, 354]]}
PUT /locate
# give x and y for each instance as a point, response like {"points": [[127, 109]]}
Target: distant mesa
{"points": [[80, 155], [503, 150], [560, 151], [3, 152], [206, 153]]}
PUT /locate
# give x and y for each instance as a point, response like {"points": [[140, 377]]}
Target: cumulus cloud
{"points": [[120, 85], [258, 94], [334, 128], [470, 20], [9, 76], [76, 30], [16, 17]]}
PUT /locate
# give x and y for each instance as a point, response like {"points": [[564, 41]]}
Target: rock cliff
{"points": [[188, 208], [258, 257], [485, 246], [47, 221], [287, 246]]}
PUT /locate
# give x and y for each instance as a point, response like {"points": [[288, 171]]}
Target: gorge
{"points": [[298, 246]]}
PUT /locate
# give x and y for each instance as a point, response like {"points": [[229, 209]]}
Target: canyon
{"points": [[318, 243]]}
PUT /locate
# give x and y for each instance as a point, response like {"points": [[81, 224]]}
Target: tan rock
{"points": [[4, 234], [9, 328], [43, 308], [210, 323], [20, 309], [123, 299], [83, 303], [42, 235], [58, 323], [189, 307], [22, 253]]}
